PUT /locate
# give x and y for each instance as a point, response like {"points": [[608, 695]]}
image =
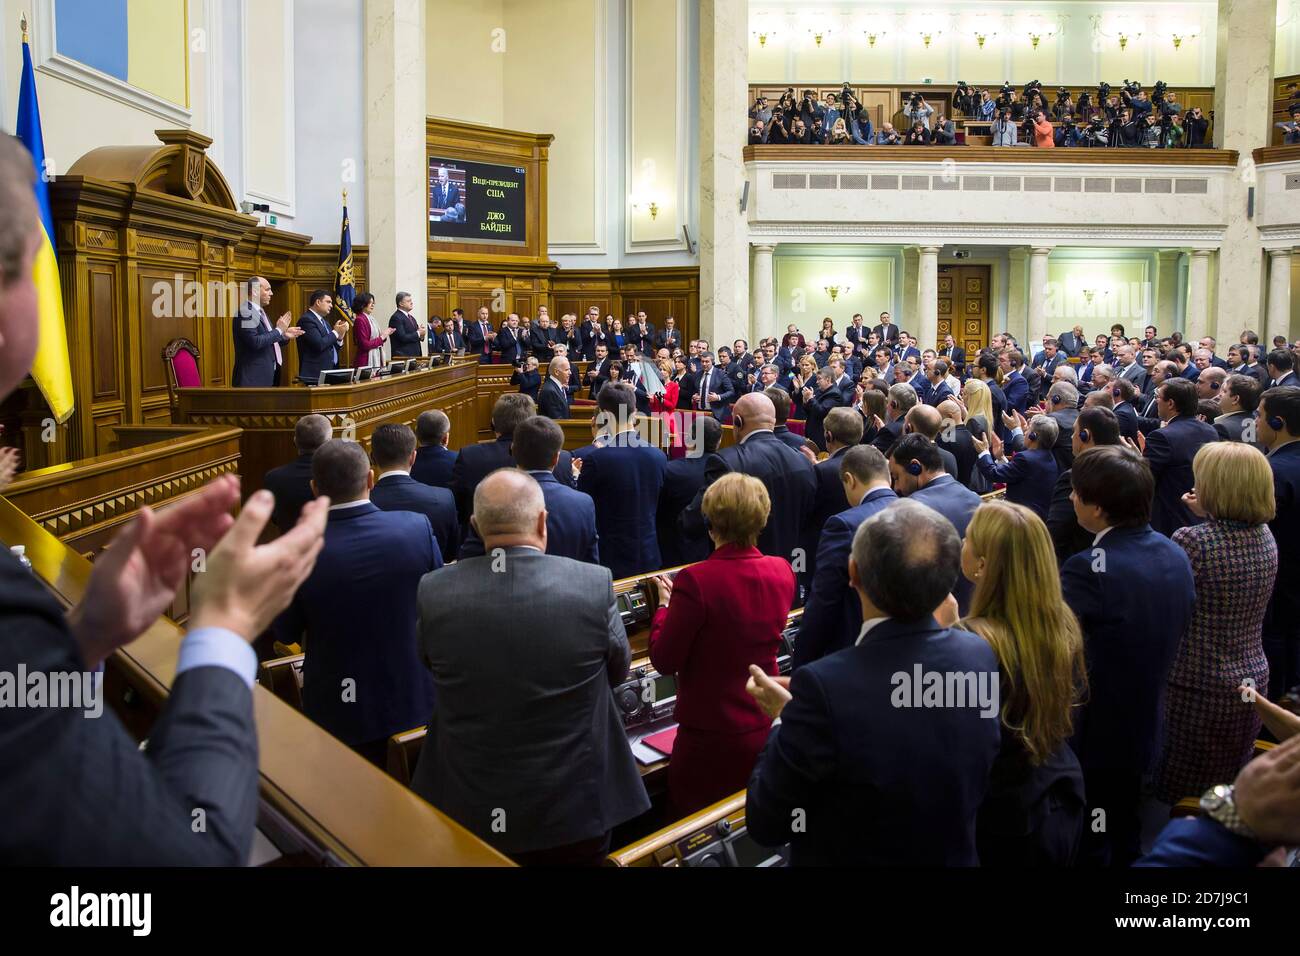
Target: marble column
{"points": [[396, 177], [927, 295], [1279, 295], [1165, 299], [1243, 115], [762, 293], [724, 231], [1198, 296], [1017, 307], [1037, 295]]}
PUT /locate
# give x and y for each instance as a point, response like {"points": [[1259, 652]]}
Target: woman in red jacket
{"points": [[368, 339], [714, 620], [664, 404]]}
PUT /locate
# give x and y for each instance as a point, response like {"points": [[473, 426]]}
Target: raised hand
{"points": [[10, 459], [771, 693], [282, 323]]}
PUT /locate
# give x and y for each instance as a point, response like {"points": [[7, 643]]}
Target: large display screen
{"points": [[477, 202]]}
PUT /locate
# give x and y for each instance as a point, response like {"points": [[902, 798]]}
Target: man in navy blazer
{"points": [[1014, 385], [716, 389], [1278, 430], [1133, 594], [363, 676], [954, 355], [787, 475], [683, 479], [570, 514], [1281, 369], [433, 459], [392, 448], [843, 430], [259, 345], [1170, 450], [1031, 474], [779, 396], [408, 335], [857, 771], [291, 483], [320, 345], [832, 614], [940, 391], [553, 396], [479, 336], [476, 462], [624, 475]]}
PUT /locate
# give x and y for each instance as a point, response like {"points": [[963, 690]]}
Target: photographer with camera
{"points": [[965, 99], [918, 135], [1197, 126], [1172, 131], [945, 131], [918, 110], [817, 136], [760, 110], [1084, 110], [798, 130], [1005, 131], [1042, 130], [1291, 130], [1124, 132], [1068, 134], [777, 131], [757, 133], [888, 136], [1150, 133], [1096, 133], [786, 103], [857, 118], [1064, 104], [988, 108], [1137, 101]]}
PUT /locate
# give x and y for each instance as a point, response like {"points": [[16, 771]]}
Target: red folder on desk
{"points": [[662, 741]]}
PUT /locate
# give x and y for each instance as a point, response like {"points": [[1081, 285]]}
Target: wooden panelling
{"points": [[104, 322]]}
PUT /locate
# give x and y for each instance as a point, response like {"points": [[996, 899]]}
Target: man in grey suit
{"points": [[525, 747], [76, 789]]}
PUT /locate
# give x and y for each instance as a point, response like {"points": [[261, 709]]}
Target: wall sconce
{"points": [[819, 33], [1088, 294], [1123, 39], [927, 37], [654, 210], [762, 36], [834, 290], [981, 37], [650, 205], [1178, 38], [871, 37], [1034, 38]]}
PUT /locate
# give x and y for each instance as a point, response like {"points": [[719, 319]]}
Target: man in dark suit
{"points": [[455, 331], [1072, 342], [857, 771], [408, 334], [479, 336], [715, 389], [905, 347], [548, 790], [787, 475], [542, 338], [592, 334], [683, 480], [434, 461], [446, 194], [902, 399], [393, 449], [510, 342], [669, 337], [291, 483], [925, 420], [886, 331], [937, 377], [570, 514], [476, 462], [259, 345], [1123, 395], [819, 397], [320, 345], [1238, 400], [553, 397], [843, 430], [1278, 428], [1133, 594], [1030, 475], [634, 377], [363, 585], [1062, 405], [1014, 385], [624, 476], [832, 615], [1281, 368], [1170, 450], [781, 402], [1049, 359], [598, 370], [985, 368], [1095, 427], [857, 333], [954, 437]]}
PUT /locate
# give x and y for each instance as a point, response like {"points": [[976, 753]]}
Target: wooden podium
{"points": [[268, 415]]}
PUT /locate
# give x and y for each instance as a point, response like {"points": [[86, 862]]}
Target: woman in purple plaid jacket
{"points": [[1210, 730]]}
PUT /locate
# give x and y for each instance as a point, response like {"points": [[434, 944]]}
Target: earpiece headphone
{"points": [[1056, 399], [1214, 386], [1033, 436], [914, 468], [1083, 435], [1275, 422], [1115, 391]]}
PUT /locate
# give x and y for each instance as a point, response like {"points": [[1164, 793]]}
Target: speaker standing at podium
{"points": [[259, 351], [407, 333], [319, 348]]}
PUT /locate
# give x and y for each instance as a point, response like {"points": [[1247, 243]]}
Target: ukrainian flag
{"points": [[51, 370], [345, 288]]}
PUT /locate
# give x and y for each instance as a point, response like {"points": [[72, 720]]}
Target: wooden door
{"points": [[964, 306]]}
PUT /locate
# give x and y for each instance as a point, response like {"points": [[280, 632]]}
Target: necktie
{"points": [[334, 343], [279, 357]]}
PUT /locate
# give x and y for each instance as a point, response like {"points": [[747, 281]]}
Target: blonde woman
{"points": [[1210, 732], [977, 398], [840, 134], [715, 619], [1034, 813], [807, 376]]}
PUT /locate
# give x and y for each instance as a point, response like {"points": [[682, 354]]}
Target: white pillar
{"points": [[397, 181], [1037, 320], [762, 293], [1166, 295], [1279, 295], [724, 232], [910, 316], [1017, 308], [927, 295], [1243, 116], [1198, 295]]}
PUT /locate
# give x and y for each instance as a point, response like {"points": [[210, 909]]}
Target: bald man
{"points": [[1209, 384], [955, 438], [789, 478], [926, 420], [547, 790], [553, 397]]}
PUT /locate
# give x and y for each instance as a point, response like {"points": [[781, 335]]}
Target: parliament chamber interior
{"points": [[651, 434]]}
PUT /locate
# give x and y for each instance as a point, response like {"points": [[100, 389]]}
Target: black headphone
{"points": [[914, 468], [1056, 399], [1214, 386], [1115, 391], [1275, 422], [1083, 434]]}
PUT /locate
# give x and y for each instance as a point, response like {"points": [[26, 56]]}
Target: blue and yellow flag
{"points": [[344, 284], [51, 370]]}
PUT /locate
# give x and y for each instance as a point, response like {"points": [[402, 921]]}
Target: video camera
{"points": [[1103, 92], [1132, 87]]}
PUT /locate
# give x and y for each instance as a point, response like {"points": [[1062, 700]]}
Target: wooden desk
{"points": [[317, 796], [268, 415]]}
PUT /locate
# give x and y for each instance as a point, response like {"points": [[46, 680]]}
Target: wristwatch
{"points": [[1219, 805]]}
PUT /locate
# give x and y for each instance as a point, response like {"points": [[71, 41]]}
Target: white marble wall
{"points": [[724, 245], [396, 178]]}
